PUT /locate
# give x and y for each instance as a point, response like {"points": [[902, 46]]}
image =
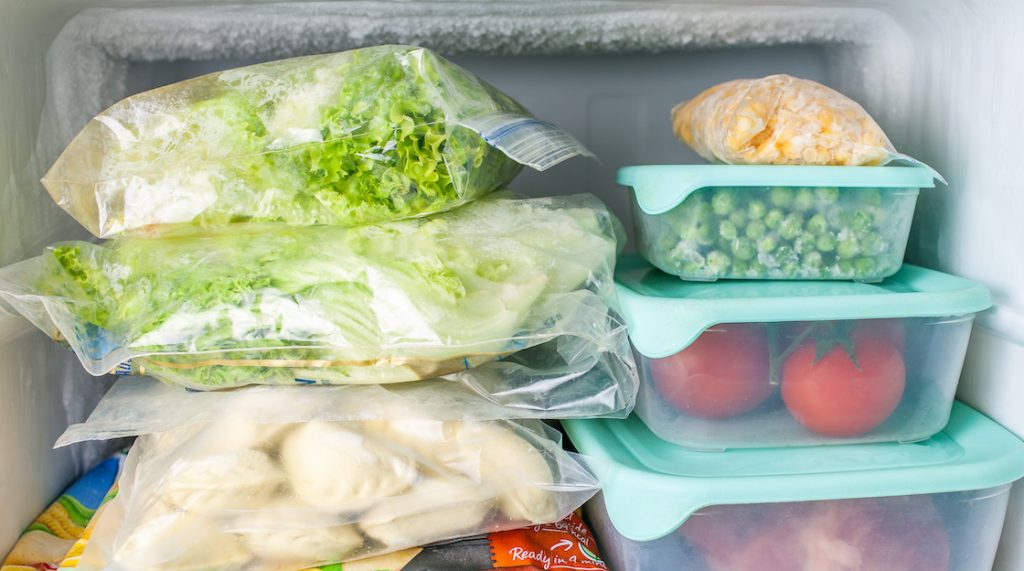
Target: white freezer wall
{"points": [[942, 77]]}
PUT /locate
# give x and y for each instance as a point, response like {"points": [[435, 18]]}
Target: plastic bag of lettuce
{"points": [[401, 301], [351, 138]]}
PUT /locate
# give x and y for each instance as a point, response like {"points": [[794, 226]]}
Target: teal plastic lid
{"points": [[665, 314], [660, 188], [651, 487]]}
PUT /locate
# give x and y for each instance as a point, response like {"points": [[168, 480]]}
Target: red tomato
{"points": [[836, 397], [723, 373], [884, 534]]}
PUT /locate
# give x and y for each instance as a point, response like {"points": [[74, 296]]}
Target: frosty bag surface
{"points": [[243, 494], [780, 120], [401, 301], [357, 137]]}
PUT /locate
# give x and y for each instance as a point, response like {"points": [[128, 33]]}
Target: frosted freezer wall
{"points": [[942, 77]]}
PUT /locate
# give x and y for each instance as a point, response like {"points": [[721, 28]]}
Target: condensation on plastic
{"points": [[256, 494], [403, 301], [780, 120], [701, 403], [356, 137], [780, 233], [956, 531]]}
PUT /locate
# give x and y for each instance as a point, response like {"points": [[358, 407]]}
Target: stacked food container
{"points": [[796, 409], [328, 220]]}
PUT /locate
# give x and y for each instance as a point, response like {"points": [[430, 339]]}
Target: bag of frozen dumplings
{"points": [[357, 137], [400, 301], [298, 487]]}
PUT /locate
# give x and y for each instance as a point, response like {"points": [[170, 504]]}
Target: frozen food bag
{"points": [[565, 544], [357, 137], [268, 495], [781, 120], [399, 301], [47, 540]]}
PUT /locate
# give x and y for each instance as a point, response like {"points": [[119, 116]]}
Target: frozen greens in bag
{"points": [[401, 301], [357, 137]]}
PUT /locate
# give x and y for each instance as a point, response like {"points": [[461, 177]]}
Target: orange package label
{"points": [[565, 545]]}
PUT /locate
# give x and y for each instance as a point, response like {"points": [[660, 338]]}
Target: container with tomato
{"points": [[789, 363], [936, 505], [705, 222]]}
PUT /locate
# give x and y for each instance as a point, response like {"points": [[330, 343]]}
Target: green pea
{"points": [[767, 243], [804, 243], [738, 218], [727, 230], [791, 226], [698, 208], [743, 249], [871, 197], [865, 267], [774, 218], [813, 261], [860, 221], [781, 196], [740, 267], [790, 269], [817, 224], [847, 248], [706, 234], [717, 262], [723, 202], [826, 242], [757, 269], [784, 254], [804, 200], [756, 209], [872, 244], [826, 194], [845, 268], [756, 229]]}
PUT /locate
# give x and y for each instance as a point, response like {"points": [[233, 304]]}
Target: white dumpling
{"points": [[299, 547], [515, 469], [231, 436], [238, 480], [433, 510], [332, 466], [179, 541]]}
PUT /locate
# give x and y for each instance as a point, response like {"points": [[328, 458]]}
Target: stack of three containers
{"points": [[788, 423], [323, 221]]}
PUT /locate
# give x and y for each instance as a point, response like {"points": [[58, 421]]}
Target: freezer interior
{"points": [[938, 76]]}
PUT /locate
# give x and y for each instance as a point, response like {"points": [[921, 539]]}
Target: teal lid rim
{"points": [[645, 505], [660, 188], [663, 326]]}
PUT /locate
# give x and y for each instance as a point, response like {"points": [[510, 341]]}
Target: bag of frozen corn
{"points": [[400, 301], [300, 487], [780, 120], [357, 137]]}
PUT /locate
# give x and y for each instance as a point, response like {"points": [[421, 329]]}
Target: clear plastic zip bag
{"points": [[356, 137], [299, 488], [781, 120], [401, 301]]}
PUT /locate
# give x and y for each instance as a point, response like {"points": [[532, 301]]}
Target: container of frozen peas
{"points": [[707, 222], [937, 505], [744, 364]]}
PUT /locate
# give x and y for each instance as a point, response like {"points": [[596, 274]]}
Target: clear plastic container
{"points": [[741, 365], [935, 505], [706, 222], [956, 531]]}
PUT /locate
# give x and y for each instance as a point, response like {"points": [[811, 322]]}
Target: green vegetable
{"points": [[358, 137], [377, 303], [817, 233]]}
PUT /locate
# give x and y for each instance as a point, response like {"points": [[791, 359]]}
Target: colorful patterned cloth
{"points": [[45, 542]]}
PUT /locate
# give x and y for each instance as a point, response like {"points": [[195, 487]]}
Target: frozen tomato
{"points": [[723, 373], [845, 390]]}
